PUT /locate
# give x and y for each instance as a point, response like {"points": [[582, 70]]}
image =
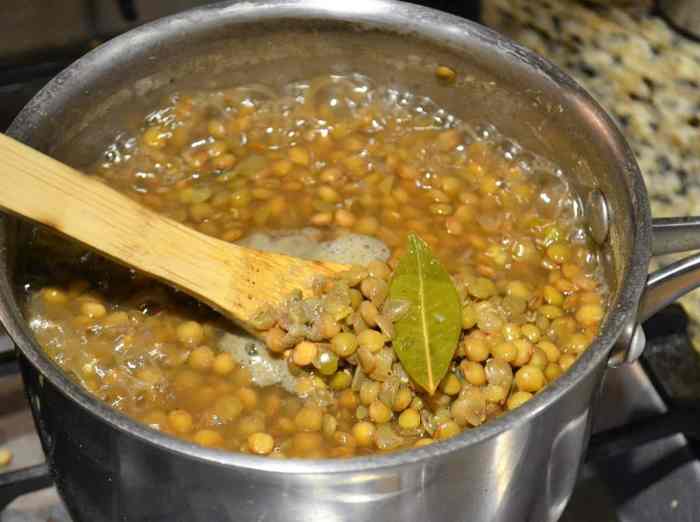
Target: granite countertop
{"points": [[644, 73]]}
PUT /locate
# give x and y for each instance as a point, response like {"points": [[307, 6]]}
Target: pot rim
{"points": [[392, 16]]}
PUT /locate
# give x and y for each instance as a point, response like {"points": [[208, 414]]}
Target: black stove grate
{"points": [[673, 366]]}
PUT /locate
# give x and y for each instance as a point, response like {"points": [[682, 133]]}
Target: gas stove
{"points": [[643, 464]]}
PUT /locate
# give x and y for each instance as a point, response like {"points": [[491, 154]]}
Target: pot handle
{"points": [[664, 286], [674, 235]]}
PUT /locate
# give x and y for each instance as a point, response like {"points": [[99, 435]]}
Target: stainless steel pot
{"points": [[682, 14], [522, 466]]}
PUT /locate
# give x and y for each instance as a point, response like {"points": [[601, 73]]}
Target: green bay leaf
{"points": [[427, 336]]}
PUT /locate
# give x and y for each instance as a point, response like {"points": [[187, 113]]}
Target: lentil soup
{"points": [[336, 155]]}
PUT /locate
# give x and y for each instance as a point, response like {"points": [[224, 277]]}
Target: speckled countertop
{"points": [[643, 72]]}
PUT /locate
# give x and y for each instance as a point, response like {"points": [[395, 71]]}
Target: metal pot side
{"points": [[522, 466]]}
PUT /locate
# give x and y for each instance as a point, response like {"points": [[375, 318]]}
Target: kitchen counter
{"points": [[644, 73]]}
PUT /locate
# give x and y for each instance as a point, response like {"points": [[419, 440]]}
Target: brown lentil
{"points": [[261, 443]]}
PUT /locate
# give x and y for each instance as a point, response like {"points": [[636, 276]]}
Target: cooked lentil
{"points": [[5, 457], [343, 155]]}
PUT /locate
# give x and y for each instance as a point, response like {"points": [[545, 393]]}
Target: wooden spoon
{"points": [[237, 281]]}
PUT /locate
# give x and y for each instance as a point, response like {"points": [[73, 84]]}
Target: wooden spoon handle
{"points": [[238, 281], [38, 187]]}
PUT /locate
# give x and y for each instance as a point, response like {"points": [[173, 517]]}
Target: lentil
{"points": [[261, 443], [304, 353], [379, 412], [364, 433], [372, 340], [180, 421], [5, 457], [201, 358], [518, 399]]}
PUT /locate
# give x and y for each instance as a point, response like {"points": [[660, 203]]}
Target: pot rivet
{"points": [[629, 346], [598, 216]]}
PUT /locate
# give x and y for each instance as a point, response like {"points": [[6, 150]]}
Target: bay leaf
{"points": [[427, 335]]}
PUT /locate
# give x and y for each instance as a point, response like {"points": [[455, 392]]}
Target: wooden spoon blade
{"points": [[237, 281]]}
